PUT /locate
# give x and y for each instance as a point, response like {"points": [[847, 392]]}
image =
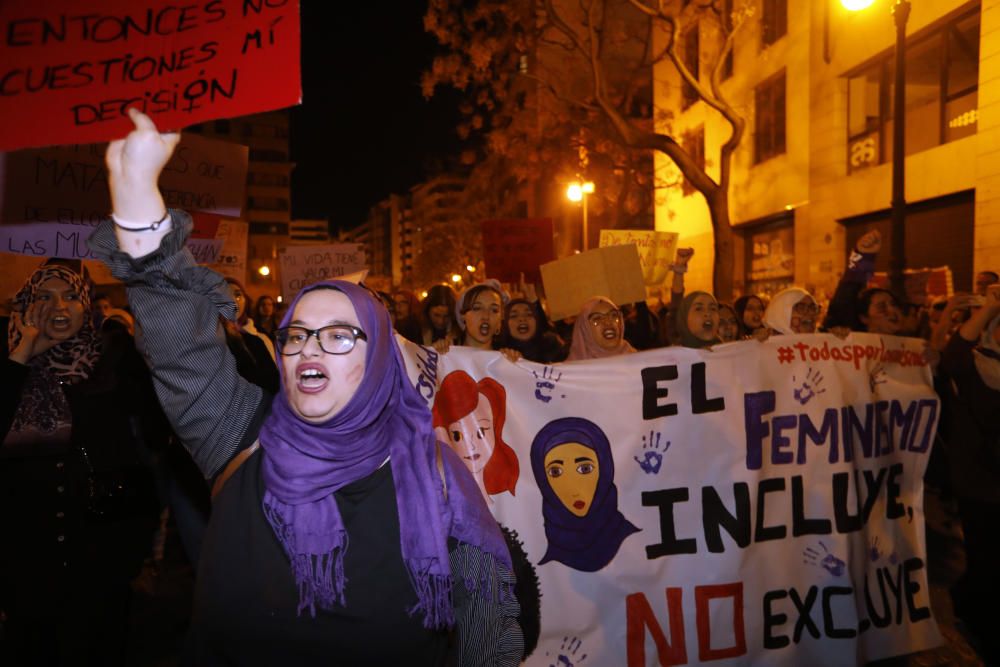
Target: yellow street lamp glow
{"points": [[264, 270], [587, 187], [423, 295], [856, 5], [574, 192], [470, 268], [455, 278]]}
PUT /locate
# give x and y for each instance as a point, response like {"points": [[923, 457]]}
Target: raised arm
{"points": [[842, 312], [944, 326], [973, 327], [176, 303]]}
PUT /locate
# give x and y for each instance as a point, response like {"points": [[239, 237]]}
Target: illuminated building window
{"points": [[773, 21], [769, 254], [942, 95], [769, 116]]}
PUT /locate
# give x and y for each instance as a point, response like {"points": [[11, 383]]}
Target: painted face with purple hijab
{"points": [[573, 467]]}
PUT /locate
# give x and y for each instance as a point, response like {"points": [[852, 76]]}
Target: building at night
{"points": [[268, 207], [382, 233], [419, 238], [814, 171]]}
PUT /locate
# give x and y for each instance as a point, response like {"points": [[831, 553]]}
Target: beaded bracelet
{"points": [[151, 228], [679, 268]]}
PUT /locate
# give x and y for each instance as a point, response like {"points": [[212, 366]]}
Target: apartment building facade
{"points": [[814, 171]]}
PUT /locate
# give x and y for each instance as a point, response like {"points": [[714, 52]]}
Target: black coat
{"points": [[81, 512]]}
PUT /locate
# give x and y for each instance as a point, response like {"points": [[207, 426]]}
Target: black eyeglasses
{"points": [[333, 339]]}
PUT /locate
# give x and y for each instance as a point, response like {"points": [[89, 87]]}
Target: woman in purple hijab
{"points": [[574, 470], [341, 532]]}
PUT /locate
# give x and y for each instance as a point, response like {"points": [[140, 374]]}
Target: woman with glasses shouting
{"points": [[341, 531], [599, 331], [792, 311]]}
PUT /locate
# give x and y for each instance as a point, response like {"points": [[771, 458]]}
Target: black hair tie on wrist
{"points": [[151, 228]]}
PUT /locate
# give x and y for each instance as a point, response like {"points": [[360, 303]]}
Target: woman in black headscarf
{"points": [[77, 506], [698, 320], [526, 329]]}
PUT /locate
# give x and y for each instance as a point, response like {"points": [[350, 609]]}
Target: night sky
{"points": [[364, 130]]}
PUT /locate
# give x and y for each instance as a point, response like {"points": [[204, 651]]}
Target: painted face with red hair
{"points": [[469, 417]]}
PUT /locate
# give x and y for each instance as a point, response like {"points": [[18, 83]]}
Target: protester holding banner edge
{"points": [[599, 331], [698, 320], [219, 416], [527, 330], [750, 310]]}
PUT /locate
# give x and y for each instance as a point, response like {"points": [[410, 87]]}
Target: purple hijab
{"points": [[585, 543], [304, 464]]}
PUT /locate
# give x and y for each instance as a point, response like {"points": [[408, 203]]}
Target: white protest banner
{"points": [[656, 250], [69, 184], [308, 264], [755, 504]]}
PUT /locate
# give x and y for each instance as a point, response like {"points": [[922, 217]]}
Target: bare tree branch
{"points": [[559, 96]]}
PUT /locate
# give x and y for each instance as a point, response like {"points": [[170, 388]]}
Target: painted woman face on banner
{"points": [[473, 437], [572, 470]]}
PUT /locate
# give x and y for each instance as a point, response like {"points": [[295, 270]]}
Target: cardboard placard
{"points": [[69, 73], [516, 246], [69, 184], [232, 261], [613, 272], [656, 250], [305, 265]]}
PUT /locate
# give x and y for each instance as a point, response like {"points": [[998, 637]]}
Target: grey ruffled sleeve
{"points": [[177, 305], [487, 630]]}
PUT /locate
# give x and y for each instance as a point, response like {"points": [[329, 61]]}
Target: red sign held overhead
{"points": [[69, 73], [512, 247]]}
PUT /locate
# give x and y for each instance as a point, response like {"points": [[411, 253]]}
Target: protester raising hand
{"points": [[869, 243], [134, 166], [347, 429], [527, 289], [30, 327], [945, 325]]}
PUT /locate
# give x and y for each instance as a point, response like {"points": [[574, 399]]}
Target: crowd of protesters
{"points": [[101, 445]]}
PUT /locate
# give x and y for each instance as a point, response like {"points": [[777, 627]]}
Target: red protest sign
{"points": [[511, 247], [205, 225], [68, 76]]}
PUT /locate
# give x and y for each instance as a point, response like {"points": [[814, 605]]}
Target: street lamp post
{"points": [[578, 191], [900, 13], [897, 243]]}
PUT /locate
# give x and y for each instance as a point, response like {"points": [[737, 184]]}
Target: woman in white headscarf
{"points": [[972, 362], [792, 311]]}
